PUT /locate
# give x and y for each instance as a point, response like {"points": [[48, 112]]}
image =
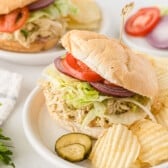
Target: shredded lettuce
{"points": [[79, 94], [59, 9]]}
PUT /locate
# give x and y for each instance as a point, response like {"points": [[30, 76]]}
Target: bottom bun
{"points": [[37, 46], [94, 132]]}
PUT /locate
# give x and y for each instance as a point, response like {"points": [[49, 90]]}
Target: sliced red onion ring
{"points": [[158, 38], [113, 90], [59, 66], [40, 4]]}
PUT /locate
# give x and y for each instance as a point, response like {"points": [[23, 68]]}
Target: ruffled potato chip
{"points": [[88, 11], [117, 148], [87, 26], [87, 17], [153, 139], [162, 117], [160, 105], [139, 164], [161, 68]]}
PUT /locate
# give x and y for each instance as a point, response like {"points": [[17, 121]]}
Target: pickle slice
{"points": [[72, 153], [75, 138]]}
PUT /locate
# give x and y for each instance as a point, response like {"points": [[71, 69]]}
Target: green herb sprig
{"points": [[5, 152]]}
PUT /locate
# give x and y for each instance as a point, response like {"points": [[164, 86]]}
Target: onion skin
{"points": [[112, 90], [40, 4], [158, 38], [59, 66]]}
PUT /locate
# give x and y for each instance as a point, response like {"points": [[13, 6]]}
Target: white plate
{"points": [[46, 57], [140, 43], [41, 58], [42, 131]]}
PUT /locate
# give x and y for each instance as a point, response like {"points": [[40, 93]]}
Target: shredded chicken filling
{"points": [[39, 29], [57, 104]]}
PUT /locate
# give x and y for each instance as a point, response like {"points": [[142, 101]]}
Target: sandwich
{"points": [[99, 82], [36, 25]]}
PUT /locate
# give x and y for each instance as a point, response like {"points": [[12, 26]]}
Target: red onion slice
{"points": [[112, 90], [158, 38], [60, 67], [40, 4]]}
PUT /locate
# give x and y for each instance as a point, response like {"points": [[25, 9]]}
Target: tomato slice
{"points": [[79, 70], [142, 22], [14, 20]]}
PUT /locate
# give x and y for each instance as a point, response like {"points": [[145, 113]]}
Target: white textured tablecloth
{"points": [[10, 84]]}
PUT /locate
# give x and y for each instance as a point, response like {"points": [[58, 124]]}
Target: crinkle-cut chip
{"points": [[160, 63], [153, 139], [139, 164], [161, 68], [89, 26], [136, 164], [117, 148], [162, 117]]}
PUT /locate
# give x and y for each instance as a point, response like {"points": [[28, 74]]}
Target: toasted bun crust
{"points": [[34, 47], [113, 61], [7, 6]]}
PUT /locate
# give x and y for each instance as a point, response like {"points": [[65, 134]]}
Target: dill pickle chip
{"points": [[75, 138], [72, 153]]}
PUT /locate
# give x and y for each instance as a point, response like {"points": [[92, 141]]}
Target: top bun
{"points": [[113, 61], [6, 6]]}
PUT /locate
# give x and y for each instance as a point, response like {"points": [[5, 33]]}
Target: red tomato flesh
{"points": [[143, 22], [79, 70], [14, 20]]}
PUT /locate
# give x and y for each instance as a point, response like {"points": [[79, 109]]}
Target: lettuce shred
{"points": [[59, 9]]}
